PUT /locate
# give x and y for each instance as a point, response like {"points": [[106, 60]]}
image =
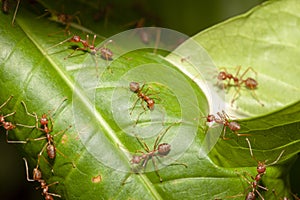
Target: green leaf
{"points": [[98, 107]]}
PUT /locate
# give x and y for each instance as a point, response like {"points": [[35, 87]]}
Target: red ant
{"points": [[8, 125], [51, 149], [261, 166], [250, 83], [261, 170], [135, 87], [37, 176], [159, 150], [105, 53], [226, 122]]}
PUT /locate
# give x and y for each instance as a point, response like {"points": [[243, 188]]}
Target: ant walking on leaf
{"points": [[261, 170], [159, 150], [224, 119], [143, 96], [37, 176], [104, 52], [239, 81], [46, 128]]}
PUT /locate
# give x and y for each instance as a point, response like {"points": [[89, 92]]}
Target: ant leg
{"points": [[246, 71], [8, 115], [236, 95], [256, 98], [175, 162], [162, 134], [41, 153], [142, 143], [139, 115], [53, 194], [9, 98], [238, 69], [259, 194], [241, 134], [31, 115], [77, 49], [134, 104], [58, 151], [58, 107], [224, 133], [27, 173], [276, 159], [14, 141], [64, 41], [15, 13], [156, 169]]}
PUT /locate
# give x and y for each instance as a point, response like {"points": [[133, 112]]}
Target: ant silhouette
{"points": [[8, 125], [159, 150], [238, 81], [224, 119], [37, 176]]}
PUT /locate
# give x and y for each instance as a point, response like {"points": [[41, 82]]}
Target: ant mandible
{"points": [[37, 176], [159, 150], [223, 119], [249, 82]]}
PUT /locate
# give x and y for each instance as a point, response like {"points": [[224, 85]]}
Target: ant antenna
{"points": [[15, 13]]}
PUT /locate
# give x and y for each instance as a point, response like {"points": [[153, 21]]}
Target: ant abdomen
{"points": [[251, 83], [222, 76], [135, 159], [51, 151], [164, 149], [106, 53], [134, 86], [234, 126]]}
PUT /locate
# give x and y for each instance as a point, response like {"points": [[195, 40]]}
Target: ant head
{"points": [[136, 159], [44, 120], [75, 38], [37, 174], [222, 75], [210, 118], [261, 167], [164, 149], [234, 126], [251, 83], [134, 86], [8, 125]]}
